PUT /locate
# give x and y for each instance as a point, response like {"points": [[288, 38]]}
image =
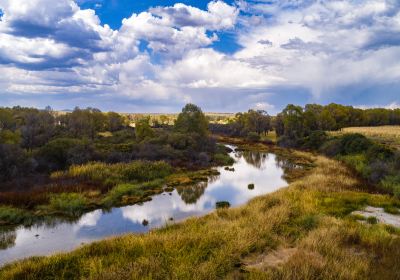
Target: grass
{"points": [[113, 174], [129, 183], [388, 135], [12, 216], [72, 204], [311, 215]]}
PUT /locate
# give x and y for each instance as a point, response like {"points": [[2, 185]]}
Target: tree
{"points": [[115, 121], [164, 120], [143, 129], [192, 120], [38, 128]]}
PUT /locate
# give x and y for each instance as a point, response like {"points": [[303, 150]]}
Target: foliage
{"points": [[223, 159], [143, 129], [14, 162], [248, 124], [192, 120], [253, 137]]}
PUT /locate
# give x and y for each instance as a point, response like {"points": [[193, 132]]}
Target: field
{"points": [[388, 135], [169, 119], [304, 231]]}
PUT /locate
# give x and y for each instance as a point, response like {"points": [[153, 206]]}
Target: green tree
{"points": [[192, 120], [115, 121], [143, 129]]}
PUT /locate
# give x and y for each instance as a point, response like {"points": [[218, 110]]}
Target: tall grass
{"points": [[389, 135], [113, 174], [311, 215], [68, 203]]}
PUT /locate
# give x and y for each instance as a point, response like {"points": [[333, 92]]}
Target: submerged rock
{"points": [[222, 204]]}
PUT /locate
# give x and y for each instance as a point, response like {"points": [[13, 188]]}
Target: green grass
{"points": [[123, 193], [113, 174], [311, 215], [11, 215], [72, 204]]}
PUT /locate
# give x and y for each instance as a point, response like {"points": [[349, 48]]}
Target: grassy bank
{"points": [[387, 135], [304, 231], [98, 185]]}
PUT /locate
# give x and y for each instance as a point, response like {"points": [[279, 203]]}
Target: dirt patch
{"points": [[380, 215], [270, 259]]}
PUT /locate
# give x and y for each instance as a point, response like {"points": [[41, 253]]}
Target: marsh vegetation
{"points": [[309, 230]]}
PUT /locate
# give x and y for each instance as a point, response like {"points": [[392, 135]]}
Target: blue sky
{"points": [[155, 56]]}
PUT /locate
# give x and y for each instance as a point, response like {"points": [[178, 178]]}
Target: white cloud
{"points": [[165, 55]]}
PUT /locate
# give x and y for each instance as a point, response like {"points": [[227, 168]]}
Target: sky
{"points": [[225, 56]]}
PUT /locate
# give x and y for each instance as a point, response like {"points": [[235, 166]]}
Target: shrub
{"points": [[223, 159], [315, 140], [331, 148], [289, 142], [358, 162], [55, 154], [14, 162], [354, 143], [253, 137]]}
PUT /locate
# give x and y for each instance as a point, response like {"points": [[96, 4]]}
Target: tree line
{"points": [[36, 141]]}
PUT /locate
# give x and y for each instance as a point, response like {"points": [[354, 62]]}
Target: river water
{"points": [[264, 170]]}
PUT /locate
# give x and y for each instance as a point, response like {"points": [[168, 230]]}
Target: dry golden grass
{"points": [[311, 215], [389, 135]]}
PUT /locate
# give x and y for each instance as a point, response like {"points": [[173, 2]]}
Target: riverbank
{"points": [[253, 173], [103, 186], [304, 231]]}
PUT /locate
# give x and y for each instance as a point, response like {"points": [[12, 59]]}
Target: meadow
{"points": [[304, 231], [388, 134]]}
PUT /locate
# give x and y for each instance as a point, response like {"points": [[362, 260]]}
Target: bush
{"points": [[289, 142], [253, 137], [55, 154], [315, 140], [358, 162], [354, 143], [14, 162], [391, 184], [331, 148], [223, 159]]}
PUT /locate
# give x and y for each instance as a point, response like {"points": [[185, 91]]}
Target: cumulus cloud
{"points": [[41, 34], [326, 45], [166, 56]]}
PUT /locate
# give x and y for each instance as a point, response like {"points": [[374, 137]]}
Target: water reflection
{"points": [[7, 239], [263, 170], [191, 194]]}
